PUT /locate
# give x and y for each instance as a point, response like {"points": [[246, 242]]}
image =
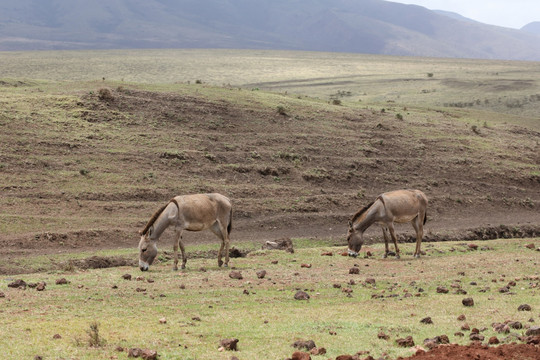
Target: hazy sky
{"points": [[507, 13]]}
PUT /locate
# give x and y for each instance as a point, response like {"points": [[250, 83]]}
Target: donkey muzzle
{"points": [[352, 253]]}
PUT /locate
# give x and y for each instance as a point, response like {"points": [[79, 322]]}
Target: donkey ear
{"points": [[350, 224]]}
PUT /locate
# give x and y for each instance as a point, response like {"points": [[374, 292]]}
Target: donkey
{"points": [[192, 213], [400, 206]]}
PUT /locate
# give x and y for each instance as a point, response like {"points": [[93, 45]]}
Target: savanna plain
{"points": [[93, 142]]}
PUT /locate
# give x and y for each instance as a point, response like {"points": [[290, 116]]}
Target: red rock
{"points": [[62, 281], [301, 295], [406, 342], [306, 266], [236, 275], [344, 357], [354, 270], [493, 340], [261, 274], [299, 355], [134, 353], [468, 302]]}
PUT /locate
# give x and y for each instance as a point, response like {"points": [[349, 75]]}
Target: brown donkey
{"points": [[400, 206], [192, 213]]}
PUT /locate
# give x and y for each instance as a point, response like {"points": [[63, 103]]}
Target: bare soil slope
{"points": [[86, 169]]}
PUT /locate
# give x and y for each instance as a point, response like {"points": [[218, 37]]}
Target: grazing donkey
{"points": [[399, 206], [192, 213]]}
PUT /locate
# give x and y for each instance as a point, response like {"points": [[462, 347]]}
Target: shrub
{"points": [[105, 94]]}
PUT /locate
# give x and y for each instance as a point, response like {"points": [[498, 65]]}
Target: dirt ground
{"points": [[299, 171], [288, 173]]}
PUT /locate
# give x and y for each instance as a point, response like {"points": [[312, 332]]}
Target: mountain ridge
{"points": [[361, 26]]}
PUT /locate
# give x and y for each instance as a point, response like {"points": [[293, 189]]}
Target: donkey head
{"points": [[147, 250], [355, 240]]}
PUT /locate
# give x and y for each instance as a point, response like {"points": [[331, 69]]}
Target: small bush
{"points": [[105, 94], [94, 339], [399, 116], [281, 110]]}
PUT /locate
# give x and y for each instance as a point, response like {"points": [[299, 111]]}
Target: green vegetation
{"points": [[185, 314]]}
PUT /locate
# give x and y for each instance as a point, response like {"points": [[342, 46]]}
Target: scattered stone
{"points": [[530, 246], [119, 348], [426, 320], [18, 284], [134, 353], [301, 295], [459, 334], [306, 266], [354, 270], [37, 357], [383, 336], [281, 244], [524, 307], [229, 344], [2, 295], [465, 327], [304, 344], [515, 325], [62, 281], [493, 340], [442, 290], [299, 355], [318, 351], [406, 342], [337, 286], [140, 290], [370, 281], [196, 318], [236, 275], [261, 274], [57, 336], [462, 317], [163, 320], [476, 337], [140, 278], [467, 302], [41, 286], [501, 328], [327, 253], [149, 354], [533, 331], [345, 357], [472, 246]]}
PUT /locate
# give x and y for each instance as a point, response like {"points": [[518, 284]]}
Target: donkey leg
{"points": [[175, 248], [184, 257], [394, 238], [217, 229], [419, 228], [385, 234]]}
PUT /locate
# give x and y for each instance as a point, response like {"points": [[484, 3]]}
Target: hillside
{"points": [[533, 28], [86, 164], [367, 26]]}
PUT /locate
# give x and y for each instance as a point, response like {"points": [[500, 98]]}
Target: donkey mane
{"points": [[360, 212], [155, 216]]}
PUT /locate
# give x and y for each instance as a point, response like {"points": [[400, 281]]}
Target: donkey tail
{"points": [[425, 218], [229, 227]]}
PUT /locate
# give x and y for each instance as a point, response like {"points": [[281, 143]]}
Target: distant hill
{"points": [[533, 28], [361, 26]]}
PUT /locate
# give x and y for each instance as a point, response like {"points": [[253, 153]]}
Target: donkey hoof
{"points": [[385, 256], [220, 263], [417, 256], [175, 268], [398, 257]]}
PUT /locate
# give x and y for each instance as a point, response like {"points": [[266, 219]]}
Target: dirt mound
{"points": [[479, 352], [100, 262]]}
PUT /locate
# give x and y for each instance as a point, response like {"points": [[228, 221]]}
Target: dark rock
{"points": [[304, 344], [468, 302], [281, 244], [261, 274], [345, 357], [62, 281], [41, 286], [462, 317], [18, 284], [149, 354], [493, 340], [383, 336], [533, 331], [370, 281], [126, 276], [236, 275], [406, 342], [426, 320], [354, 270], [134, 353], [476, 337], [524, 307], [442, 290], [229, 344], [301, 295]]}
